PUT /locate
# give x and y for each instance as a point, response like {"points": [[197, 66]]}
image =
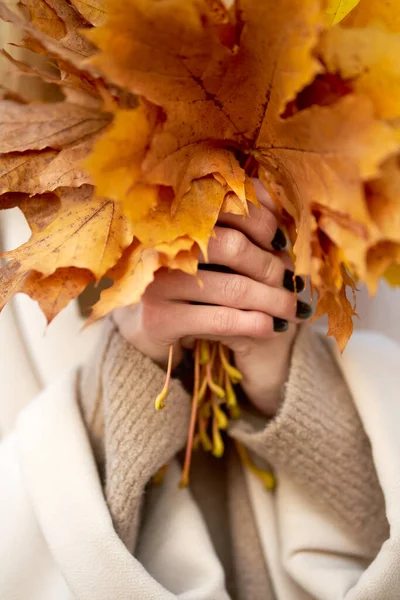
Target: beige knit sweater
{"points": [[317, 438]]}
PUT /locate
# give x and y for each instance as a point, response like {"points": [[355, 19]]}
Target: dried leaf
{"points": [[383, 198], [322, 157], [65, 169], [340, 316], [380, 258], [55, 292], [44, 18], [87, 232], [38, 41], [203, 85], [375, 12], [131, 276], [368, 57], [38, 126], [220, 95], [337, 10], [392, 275], [94, 11], [116, 161], [195, 217], [19, 171]]}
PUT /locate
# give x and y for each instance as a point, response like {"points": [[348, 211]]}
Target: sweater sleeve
{"points": [[130, 439], [318, 440]]}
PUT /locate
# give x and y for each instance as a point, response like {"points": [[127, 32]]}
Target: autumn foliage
{"points": [[165, 110]]}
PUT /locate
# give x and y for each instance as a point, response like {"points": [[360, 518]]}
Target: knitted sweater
{"points": [[316, 437]]}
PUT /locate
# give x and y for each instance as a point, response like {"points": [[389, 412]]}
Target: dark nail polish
{"points": [[280, 325], [279, 242], [292, 283], [304, 311], [216, 268]]}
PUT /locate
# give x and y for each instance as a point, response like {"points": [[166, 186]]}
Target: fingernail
{"points": [[304, 310], [292, 283], [279, 242], [280, 325], [216, 268]]}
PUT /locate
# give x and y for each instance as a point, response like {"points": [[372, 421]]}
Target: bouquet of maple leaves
{"points": [[168, 109]]}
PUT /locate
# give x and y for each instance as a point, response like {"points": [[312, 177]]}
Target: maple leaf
{"points": [[369, 58], [383, 199], [86, 232], [94, 11], [380, 258], [55, 292], [116, 161], [203, 86], [392, 275], [131, 276], [38, 126], [375, 12], [337, 10], [39, 172], [201, 97], [73, 49], [195, 217], [52, 293]]}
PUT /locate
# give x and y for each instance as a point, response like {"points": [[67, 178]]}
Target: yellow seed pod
{"points": [[205, 440], [204, 352], [218, 444], [220, 416], [217, 389], [231, 399], [267, 478], [234, 373], [160, 399]]}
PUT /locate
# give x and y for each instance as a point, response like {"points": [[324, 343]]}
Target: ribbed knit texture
{"points": [[317, 438], [136, 439]]}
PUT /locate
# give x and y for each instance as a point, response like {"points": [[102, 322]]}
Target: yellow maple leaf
{"points": [[392, 275], [116, 161], [131, 275], [337, 10], [369, 58], [86, 232], [274, 60], [375, 12], [195, 217], [222, 94], [55, 292]]}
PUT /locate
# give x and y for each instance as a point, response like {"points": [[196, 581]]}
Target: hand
{"points": [[248, 308]]}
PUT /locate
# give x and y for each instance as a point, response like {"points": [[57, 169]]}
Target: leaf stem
{"points": [[189, 446]]}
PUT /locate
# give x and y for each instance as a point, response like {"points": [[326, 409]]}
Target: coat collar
{"points": [[61, 475]]}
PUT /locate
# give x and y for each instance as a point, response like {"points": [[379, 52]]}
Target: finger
{"points": [[231, 248], [263, 196], [260, 225], [215, 321], [234, 291]]}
